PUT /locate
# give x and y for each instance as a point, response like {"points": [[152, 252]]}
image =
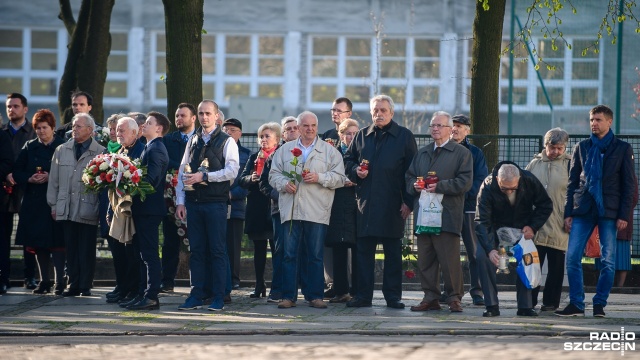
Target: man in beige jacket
{"points": [[305, 206], [73, 206]]}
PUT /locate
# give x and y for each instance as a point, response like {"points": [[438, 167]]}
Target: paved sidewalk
{"points": [[24, 314]]}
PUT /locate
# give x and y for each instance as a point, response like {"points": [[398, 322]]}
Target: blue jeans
{"points": [[208, 264], [581, 229], [277, 255], [310, 235]]}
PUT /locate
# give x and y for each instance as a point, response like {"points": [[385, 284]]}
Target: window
{"points": [[407, 69], [575, 81], [232, 65], [117, 67]]}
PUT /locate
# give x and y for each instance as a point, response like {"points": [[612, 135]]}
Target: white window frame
{"points": [[532, 84]]}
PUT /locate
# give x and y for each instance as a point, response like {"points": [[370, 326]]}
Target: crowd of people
{"points": [[322, 204]]}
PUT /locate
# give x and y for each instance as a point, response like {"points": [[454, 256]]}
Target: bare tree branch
{"points": [[66, 15]]}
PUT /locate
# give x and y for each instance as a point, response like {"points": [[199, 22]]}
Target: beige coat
{"points": [[312, 201], [554, 176], [66, 193]]}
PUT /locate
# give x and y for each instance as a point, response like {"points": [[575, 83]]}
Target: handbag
{"points": [[429, 220], [528, 269], [592, 249]]}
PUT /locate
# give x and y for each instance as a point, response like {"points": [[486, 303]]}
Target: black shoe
{"points": [[227, 299], [570, 310], [115, 300], [395, 305], [259, 292], [114, 293], [598, 310], [477, 300], [526, 312], [30, 283], [135, 300], [443, 297], [548, 308], [330, 293], [43, 288], [70, 292], [166, 288], [85, 292], [491, 311], [60, 286], [127, 298], [358, 303], [3, 289], [145, 304]]}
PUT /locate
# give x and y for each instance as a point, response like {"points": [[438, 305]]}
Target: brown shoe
{"points": [[340, 298], [426, 306], [454, 306], [285, 304], [318, 304]]}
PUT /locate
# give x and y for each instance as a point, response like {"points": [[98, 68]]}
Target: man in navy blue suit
{"points": [[148, 214], [175, 143]]}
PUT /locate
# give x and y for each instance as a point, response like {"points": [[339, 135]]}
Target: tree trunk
{"points": [[183, 31], [89, 48], [485, 77]]}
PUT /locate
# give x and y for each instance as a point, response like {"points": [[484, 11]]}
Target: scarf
{"points": [[593, 168], [261, 158], [113, 146]]}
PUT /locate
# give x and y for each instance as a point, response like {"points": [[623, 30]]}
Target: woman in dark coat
{"points": [[341, 234], [37, 230], [257, 223]]}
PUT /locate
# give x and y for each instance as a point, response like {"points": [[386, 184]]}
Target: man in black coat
{"points": [[175, 143], [599, 193], [148, 214], [509, 197], [383, 202], [6, 163], [20, 131]]}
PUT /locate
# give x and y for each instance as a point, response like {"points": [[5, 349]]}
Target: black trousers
{"points": [[126, 261], [80, 244], [555, 275], [341, 269], [5, 253], [170, 250], [146, 242], [392, 273], [235, 228], [487, 272]]}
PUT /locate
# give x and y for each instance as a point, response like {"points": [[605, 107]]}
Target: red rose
{"points": [[109, 177], [103, 176], [95, 170], [174, 181], [132, 168], [135, 178], [409, 274], [296, 152]]}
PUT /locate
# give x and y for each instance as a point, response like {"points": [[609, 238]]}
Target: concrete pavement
{"points": [[25, 314]]}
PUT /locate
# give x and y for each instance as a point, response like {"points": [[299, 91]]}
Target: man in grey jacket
{"points": [[453, 165], [76, 208]]}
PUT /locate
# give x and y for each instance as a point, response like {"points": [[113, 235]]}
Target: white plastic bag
{"points": [[526, 255], [508, 236], [429, 218]]}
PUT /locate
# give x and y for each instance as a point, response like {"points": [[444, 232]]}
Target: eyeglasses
{"points": [[338, 111], [438, 126], [505, 189]]}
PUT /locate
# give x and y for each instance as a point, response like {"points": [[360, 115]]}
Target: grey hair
{"points": [[88, 120], [130, 122], [443, 113], [347, 123], [386, 98], [508, 172], [305, 114], [273, 126], [113, 119], [556, 136], [138, 117], [287, 119], [220, 115]]}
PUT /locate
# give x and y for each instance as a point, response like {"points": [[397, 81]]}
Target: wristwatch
{"points": [[205, 176]]}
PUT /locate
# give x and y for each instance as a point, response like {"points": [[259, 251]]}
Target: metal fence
{"points": [[517, 148]]}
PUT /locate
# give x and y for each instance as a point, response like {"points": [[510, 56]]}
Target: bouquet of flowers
{"points": [[170, 200], [118, 173]]}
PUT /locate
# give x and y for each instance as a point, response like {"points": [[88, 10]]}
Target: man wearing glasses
{"points": [[340, 110], [509, 197], [453, 165]]}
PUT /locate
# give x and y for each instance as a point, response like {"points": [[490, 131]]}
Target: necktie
{"points": [[185, 138], [438, 150], [78, 151]]}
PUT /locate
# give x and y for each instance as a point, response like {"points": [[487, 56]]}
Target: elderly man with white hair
{"points": [[305, 206], [76, 208]]}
